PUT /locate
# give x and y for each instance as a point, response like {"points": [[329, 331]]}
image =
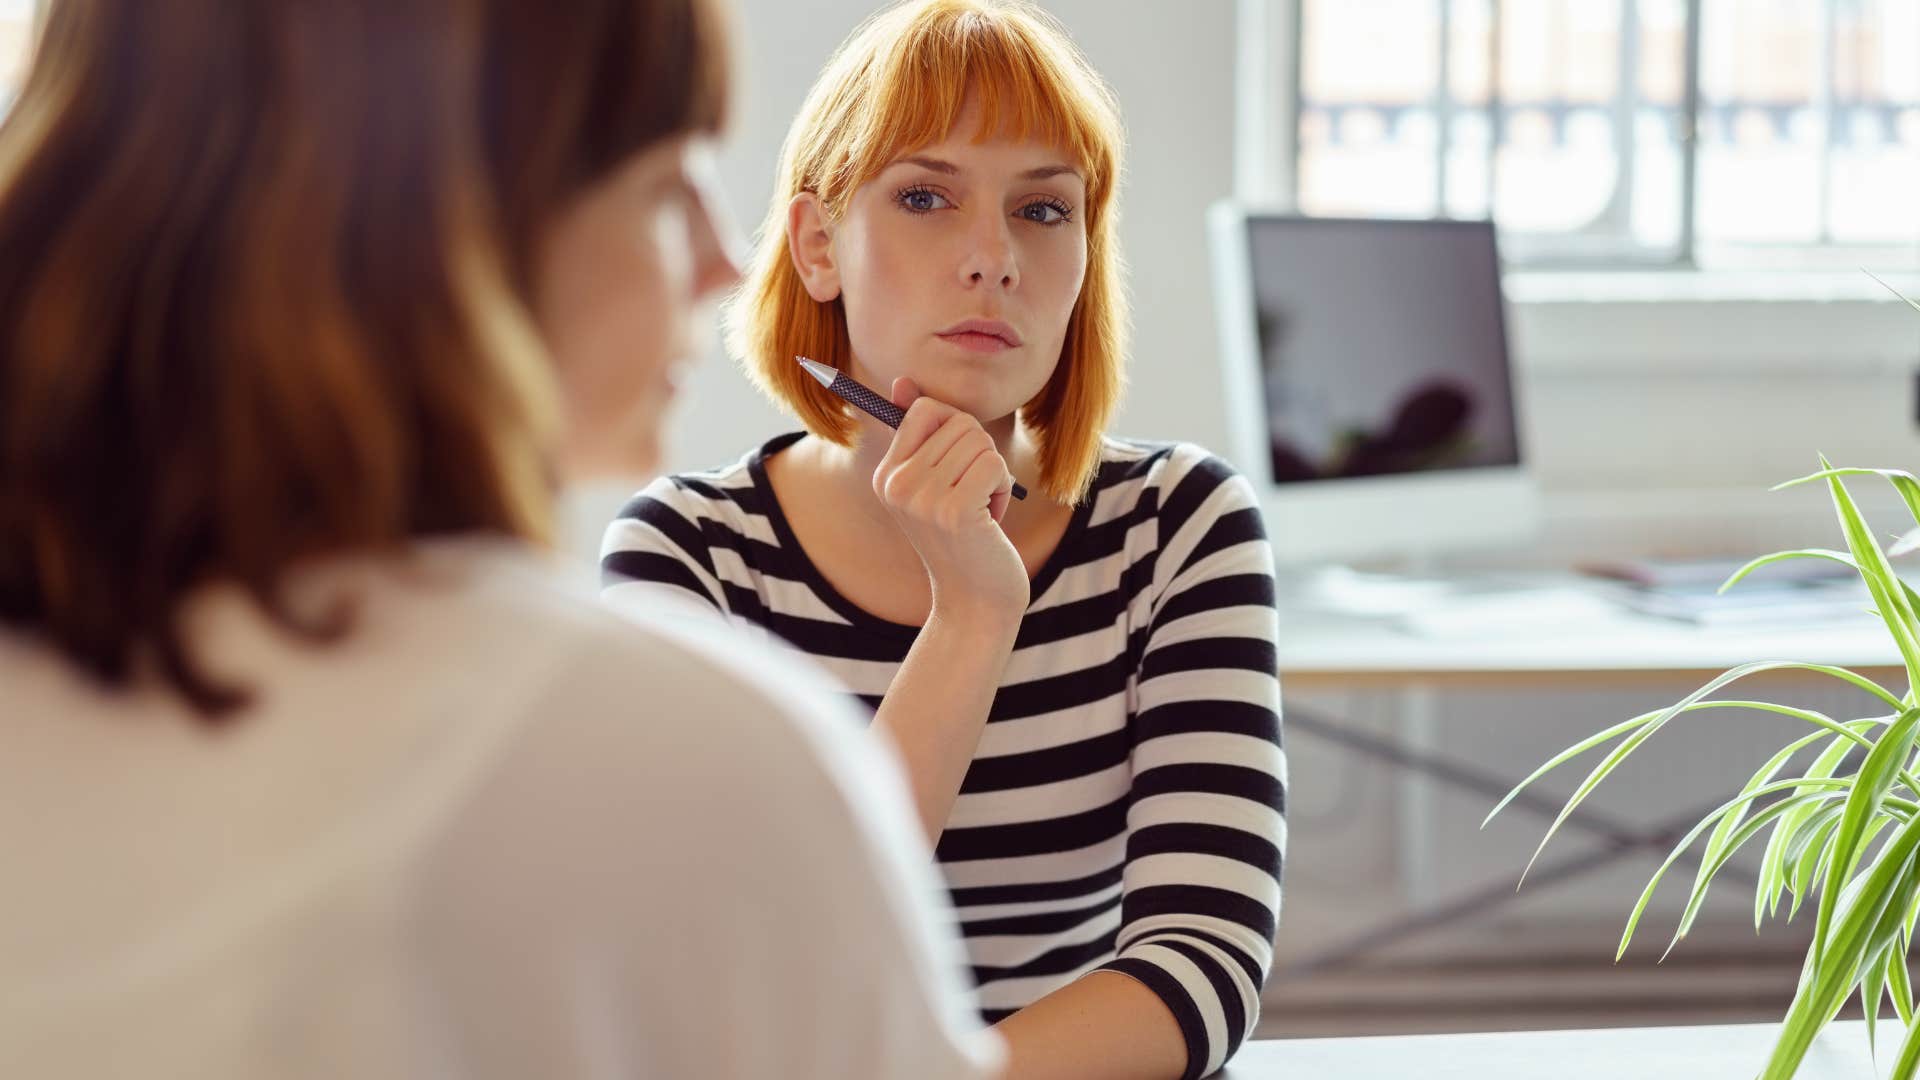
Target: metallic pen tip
{"points": [[818, 370]]}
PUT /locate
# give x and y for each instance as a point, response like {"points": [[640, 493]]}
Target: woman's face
{"points": [[620, 274], [959, 266]]}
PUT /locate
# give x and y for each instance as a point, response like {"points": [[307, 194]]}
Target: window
{"points": [[1715, 133], [16, 44]]}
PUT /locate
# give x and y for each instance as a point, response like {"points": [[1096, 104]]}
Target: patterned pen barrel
{"points": [[864, 399]]}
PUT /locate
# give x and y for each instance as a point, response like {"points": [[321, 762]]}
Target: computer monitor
{"points": [[1370, 394]]}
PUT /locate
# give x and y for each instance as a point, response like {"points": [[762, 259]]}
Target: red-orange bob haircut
{"points": [[896, 85]]}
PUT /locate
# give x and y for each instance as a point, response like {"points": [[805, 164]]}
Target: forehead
{"points": [[970, 145]]}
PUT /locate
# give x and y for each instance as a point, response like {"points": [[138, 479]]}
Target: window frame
{"points": [[1269, 95]]}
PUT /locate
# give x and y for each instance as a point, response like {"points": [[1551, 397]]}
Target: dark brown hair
{"points": [[265, 288]]}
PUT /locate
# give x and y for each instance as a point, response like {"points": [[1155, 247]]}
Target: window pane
{"points": [[1569, 126], [1760, 126], [16, 39], [1369, 134], [1874, 196], [1810, 133], [1659, 97], [1557, 169]]}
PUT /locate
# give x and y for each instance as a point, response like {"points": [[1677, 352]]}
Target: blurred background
{"points": [[1686, 193]]}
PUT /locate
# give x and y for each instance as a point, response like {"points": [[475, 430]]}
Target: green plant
{"points": [[1851, 838], [1823, 824]]}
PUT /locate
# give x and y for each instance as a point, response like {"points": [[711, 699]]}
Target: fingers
{"points": [[957, 471], [938, 456], [899, 480], [925, 416], [985, 480], [951, 465]]}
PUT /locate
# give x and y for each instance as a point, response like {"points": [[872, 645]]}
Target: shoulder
{"points": [[671, 530], [1179, 477], [685, 737], [735, 495], [723, 494], [692, 712]]}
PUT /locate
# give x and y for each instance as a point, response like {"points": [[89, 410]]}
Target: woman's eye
{"points": [[922, 201], [1044, 213]]}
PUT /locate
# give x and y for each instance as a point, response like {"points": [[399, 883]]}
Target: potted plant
{"points": [[1845, 829]]}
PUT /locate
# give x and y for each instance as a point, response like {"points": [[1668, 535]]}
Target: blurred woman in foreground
{"points": [[311, 766]]}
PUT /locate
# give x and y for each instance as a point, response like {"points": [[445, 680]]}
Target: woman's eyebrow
{"points": [[948, 168]]}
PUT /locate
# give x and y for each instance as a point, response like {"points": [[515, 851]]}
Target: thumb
{"points": [[905, 391]]}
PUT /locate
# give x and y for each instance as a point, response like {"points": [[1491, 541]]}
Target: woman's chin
{"points": [[986, 403]]}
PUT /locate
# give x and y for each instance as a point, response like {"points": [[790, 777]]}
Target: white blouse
{"points": [[494, 832]]}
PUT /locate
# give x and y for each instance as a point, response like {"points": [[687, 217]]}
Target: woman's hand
{"points": [[947, 486]]}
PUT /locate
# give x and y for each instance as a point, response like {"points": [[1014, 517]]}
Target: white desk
{"points": [[1346, 652], [1731, 1052], [1319, 653]]}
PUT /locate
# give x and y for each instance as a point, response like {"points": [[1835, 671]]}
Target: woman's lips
{"points": [[974, 341], [981, 335]]}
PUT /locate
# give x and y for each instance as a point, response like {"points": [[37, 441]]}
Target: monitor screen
{"points": [[1383, 347]]}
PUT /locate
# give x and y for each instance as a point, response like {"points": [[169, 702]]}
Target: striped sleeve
{"points": [[659, 555], [1206, 824]]}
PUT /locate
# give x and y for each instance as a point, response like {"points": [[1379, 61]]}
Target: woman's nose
{"points": [[990, 256]]}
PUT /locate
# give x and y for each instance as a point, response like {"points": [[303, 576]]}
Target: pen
{"points": [[864, 399]]}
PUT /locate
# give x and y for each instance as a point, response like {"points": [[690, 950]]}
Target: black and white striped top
{"points": [[1125, 809]]}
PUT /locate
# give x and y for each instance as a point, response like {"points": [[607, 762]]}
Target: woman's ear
{"points": [[810, 245]]}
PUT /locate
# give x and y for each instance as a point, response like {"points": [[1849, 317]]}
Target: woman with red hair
{"points": [[1082, 683]]}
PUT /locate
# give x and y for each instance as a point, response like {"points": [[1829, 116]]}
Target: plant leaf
{"points": [[1852, 678], [1807, 861], [1863, 805], [1740, 836], [1765, 774], [1828, 472], [1767, 897], [1882, 943], [1907, 1061], [1569, 754], [1899, 983], [1870, 987], [1882, 582], [1641, 730], [1782, 556], [1828, 976], [1772, 863]]}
